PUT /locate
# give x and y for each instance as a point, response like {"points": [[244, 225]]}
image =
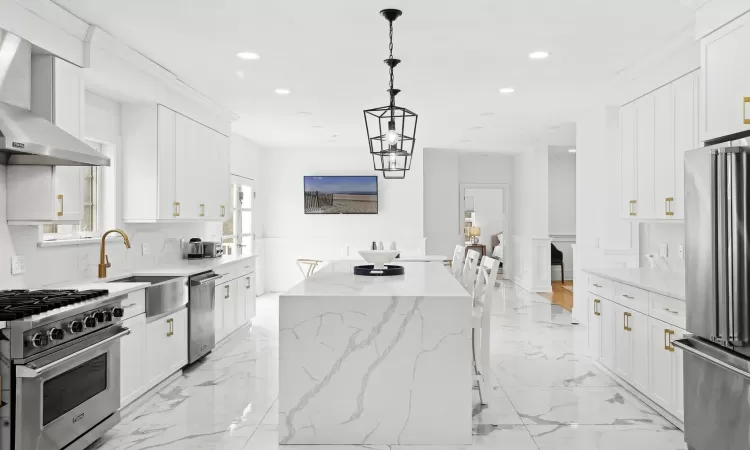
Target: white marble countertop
{"points": [[428, 279], [403, 258], [671, 284]]}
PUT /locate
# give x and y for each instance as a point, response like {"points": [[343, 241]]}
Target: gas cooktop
{"points": [[17, 304]]}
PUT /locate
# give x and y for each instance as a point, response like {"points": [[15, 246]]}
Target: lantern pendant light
{"points": [[391, 129]]}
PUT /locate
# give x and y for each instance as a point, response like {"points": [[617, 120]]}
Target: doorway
{"points": [[484, 214]]}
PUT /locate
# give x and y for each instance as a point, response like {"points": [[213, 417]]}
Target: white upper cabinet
{"points": [[50, 194], [655, 132], [725, 87], [175, 169], [645, 141]]}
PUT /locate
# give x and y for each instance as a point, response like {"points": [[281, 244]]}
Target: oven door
{"points": [[63, 395]]}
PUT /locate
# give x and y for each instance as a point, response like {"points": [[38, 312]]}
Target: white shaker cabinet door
{"points": [[178, 341], [661, 385], [157, 351], [595, 327], [638, 331], [249, 296], [133, 360], [167, 197], [607, 311], [623, 344], [219, 331], [188, 168], [725, 89], [664, 152], [628, 199], [645, 147], [685, 136]]}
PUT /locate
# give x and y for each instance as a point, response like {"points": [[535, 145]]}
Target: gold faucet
{"points": [[103, 258]]}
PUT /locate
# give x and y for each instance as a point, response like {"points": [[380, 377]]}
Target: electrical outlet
{"points": [[17, 265], [145, 248], [663, 250], [681, 251]]}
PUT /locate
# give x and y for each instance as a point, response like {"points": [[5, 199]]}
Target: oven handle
{"points": [[24, 371]]}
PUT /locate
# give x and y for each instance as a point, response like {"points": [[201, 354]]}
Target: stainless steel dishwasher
{"points": [[201, 332]]}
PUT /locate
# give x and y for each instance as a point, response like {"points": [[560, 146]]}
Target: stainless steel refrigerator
{"points": [[717, 262]]}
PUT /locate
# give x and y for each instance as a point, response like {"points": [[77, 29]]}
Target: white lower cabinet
{"points": [[638, 349], [167, 340], [133, 360], [235, 303]]}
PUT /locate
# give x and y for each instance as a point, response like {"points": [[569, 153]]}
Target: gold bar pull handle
{"points": [[745, 101], [170, 322], [632, 207], [175, 210], [670, 347], [203, 209], [596, 309], [668, 206], [626, 321], [223, 210], [62, 205]]}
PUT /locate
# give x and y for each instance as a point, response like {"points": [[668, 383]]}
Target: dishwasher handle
{"points": [[205, 280]]}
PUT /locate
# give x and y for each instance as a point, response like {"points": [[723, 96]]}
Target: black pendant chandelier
{"points": [[391, 129]]}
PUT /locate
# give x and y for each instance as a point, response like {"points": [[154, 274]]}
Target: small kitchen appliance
{"points": [[212, 250], [194, 249]]}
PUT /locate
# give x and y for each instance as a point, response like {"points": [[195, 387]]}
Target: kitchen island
{"points": [[375, 360]]}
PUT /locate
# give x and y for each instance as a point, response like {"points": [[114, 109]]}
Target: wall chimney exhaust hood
{"points": [[27, 138]]}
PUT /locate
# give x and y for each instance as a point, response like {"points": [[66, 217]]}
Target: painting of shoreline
{"points": [[341, 195]]}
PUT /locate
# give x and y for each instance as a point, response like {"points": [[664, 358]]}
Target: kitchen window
{"points": [[238, 229], [99, 203]]}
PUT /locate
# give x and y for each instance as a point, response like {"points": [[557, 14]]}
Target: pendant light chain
{"points": [[390, 56]]}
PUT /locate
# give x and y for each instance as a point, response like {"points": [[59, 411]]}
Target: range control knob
{"points": [[39, 340], [75, 327], [99, 317], [118, 312], [90, 322], [56, 334], [107, 316]]}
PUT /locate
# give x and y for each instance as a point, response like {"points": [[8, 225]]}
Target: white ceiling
{"points": [[456, 55]]}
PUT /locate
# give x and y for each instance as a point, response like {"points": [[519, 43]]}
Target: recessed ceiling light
{"points": [[539, 55], [572, 150], [317, 126], [240, 74], [478, 127], [247, 56], [464, 141], [507, 90], [304, 113], [487, 114], [282, 91]]}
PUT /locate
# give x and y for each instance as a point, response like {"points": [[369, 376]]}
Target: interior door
{"points": [[627, 160]]}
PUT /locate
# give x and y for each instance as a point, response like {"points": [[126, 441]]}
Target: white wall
{"points": [[562, 192], [654, 234], [291, 234], [530, 220], [444, 172]]}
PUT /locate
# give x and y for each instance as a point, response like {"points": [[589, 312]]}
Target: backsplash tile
{"points": [[654, 234]]}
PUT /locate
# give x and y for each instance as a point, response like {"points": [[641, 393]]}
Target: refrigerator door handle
{"points": [[720, 244], [686, 347]]}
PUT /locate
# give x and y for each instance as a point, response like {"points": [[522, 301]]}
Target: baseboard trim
{"points": [[643, 397]]}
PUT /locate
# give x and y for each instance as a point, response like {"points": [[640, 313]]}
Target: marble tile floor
{"points": [[548, 394]]}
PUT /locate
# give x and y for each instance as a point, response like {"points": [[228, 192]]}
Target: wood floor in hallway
{"points": [[560, 295]]}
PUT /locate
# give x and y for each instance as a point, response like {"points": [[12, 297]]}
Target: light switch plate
{"points": [[681, 250], [17, 265], [663, 250], [145, 248]]}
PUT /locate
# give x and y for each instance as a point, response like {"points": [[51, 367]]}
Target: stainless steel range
{"points": [[60, 368]]}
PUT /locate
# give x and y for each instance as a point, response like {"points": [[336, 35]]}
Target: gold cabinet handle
{"points": [[596, 285], [176, 209], [668, 206], [203, 209], [596, 310], [745, 101], [631, 207], [62, 205], [223, 210], [170, 322], [248, 283], [668, 340], [226, 289], [625, 321]]}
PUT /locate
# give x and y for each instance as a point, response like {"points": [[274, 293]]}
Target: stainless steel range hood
{"points": [[28, 138]]}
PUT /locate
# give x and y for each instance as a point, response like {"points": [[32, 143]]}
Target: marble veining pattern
{"points": [[230, 401]]}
